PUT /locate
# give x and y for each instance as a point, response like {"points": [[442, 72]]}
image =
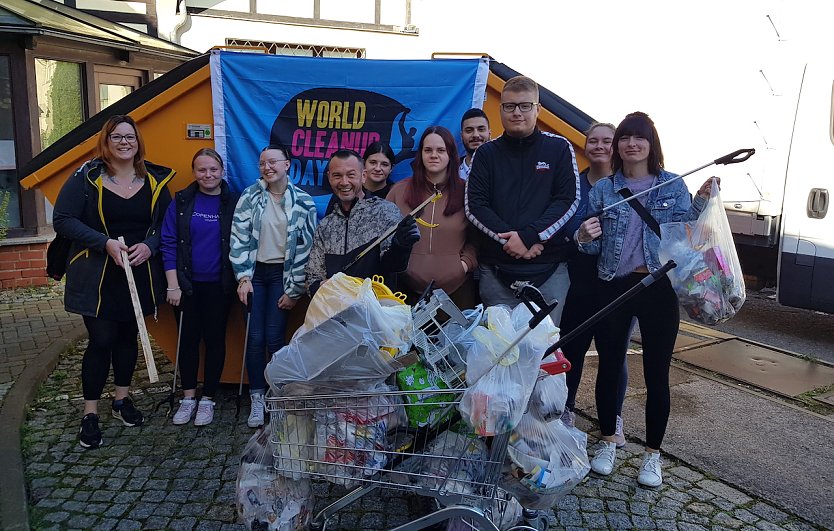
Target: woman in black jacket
{"points": [[116, 194], [195, 251]]}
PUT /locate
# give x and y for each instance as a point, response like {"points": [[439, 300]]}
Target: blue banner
{"points": [[314, 106]]}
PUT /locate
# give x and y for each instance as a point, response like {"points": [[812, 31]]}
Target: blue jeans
{"points": [[493, 291], [267, 323]]}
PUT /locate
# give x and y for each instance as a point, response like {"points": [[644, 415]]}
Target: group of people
{"points": [[512, 210]]}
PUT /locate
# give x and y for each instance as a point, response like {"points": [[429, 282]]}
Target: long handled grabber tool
{"points": [[243, 357], [434, 197], [170, 398], [732, 158], [647, 281]]}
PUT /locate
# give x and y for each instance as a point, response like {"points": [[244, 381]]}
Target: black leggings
{"points": [[656, 309], [204, 317], [581, 303], [110, 342]]}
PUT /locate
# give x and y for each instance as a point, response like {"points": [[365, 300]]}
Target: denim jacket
{"points": [[666, 204]]}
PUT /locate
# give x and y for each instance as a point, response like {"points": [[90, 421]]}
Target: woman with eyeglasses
{"points": [[627, 239], [443, 253], [118, 193], [272, 234], [195, 250]]}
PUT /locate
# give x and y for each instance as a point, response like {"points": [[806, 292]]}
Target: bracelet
{"points": [[172, 289], [242, 281]]}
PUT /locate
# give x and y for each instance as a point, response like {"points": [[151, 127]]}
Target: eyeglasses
{"points": [[270, 162], [526, 106], [117, 139]]}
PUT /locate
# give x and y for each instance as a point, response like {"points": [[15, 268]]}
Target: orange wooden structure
{"points": [[164, 107]]}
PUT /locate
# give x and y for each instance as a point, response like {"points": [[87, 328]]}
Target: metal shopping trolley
{"points": [[362, 441]]}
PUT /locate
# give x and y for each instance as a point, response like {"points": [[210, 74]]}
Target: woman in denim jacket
{"points": [[628, 251]]}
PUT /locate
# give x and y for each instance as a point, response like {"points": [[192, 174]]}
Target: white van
{"points": [[792, 181]]}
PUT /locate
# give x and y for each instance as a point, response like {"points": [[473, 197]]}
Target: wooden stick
{"points": [[153, 376]]}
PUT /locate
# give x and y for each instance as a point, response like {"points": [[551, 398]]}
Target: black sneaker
{"points": [[127, 413], [89, 436]]}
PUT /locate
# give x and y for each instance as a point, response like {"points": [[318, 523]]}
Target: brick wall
{"points": [[22, 265]]}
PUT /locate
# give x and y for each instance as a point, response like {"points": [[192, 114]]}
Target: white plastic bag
{"points": [[265, 499], [546, 460], [357, 343], [500, 380], [708, 278]]}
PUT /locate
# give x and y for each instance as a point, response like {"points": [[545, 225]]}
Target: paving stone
{"points": [[569, 518], [769, 526], [617, 506], [154, 495], [209, 526], [167, 509], [693, 518], [135, 484], [666, 525], [117, 510], [701, 508], [127, 496], [725, 491], [107, 524], [595, 520], [48, 503], [613, 494], [157, 522], [57, 516], [129, 525], [143, 510], [83, 495], [769, 513], [726, 520], [80, 521], [663, 512], [194, 509], [178, 496], [102, 495], [619, 521], [643, 522], [591, 505], [687, 526], [639, 508], [746, 516]]}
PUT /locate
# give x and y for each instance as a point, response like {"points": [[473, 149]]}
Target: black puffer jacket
{"points": [[78, 216]]}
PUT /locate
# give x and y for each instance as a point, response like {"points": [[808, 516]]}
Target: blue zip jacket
{"points": [[666, 204]]}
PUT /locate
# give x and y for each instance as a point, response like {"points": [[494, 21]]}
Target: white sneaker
{"points": [[603, 461], [205, 412], [619, 435], [256, 414], [568, 418], [185, 411], [650, 471]]}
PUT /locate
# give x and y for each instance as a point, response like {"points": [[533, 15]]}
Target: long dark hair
{"points": [[639, 124], [104, 138], [420, 187]]}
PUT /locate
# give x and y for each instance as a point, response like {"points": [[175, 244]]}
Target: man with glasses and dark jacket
{"points": [[522, 190]]}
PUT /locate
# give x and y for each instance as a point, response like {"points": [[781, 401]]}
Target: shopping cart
{"points": [[362, 441], [439, 330]]}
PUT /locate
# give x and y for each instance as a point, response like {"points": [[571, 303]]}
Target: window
{"points": [[114, 84], [9, 190], [305, 50], [60, 99]]}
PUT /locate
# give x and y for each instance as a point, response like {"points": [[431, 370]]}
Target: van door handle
{"points": [[817, 203]]}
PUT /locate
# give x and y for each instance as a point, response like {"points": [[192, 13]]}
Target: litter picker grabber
{"points": [[647, 281], [390, 231], [243, 358], [732, 158], [170, 398], [153, 376]]}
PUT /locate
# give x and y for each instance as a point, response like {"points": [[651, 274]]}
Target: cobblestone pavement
{"points": [[164, 477], [30, 319], [159, 476]]}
